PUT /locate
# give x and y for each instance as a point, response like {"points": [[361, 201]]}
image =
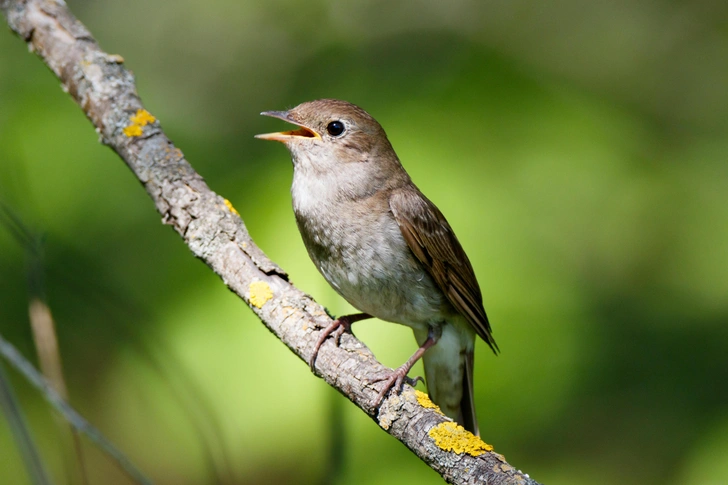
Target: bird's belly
{"points": [[409, 298], [375, 271]]}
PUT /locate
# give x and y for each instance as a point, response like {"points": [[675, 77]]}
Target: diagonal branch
{"points": [[213, 230]]}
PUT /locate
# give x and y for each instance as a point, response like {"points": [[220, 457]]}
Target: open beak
{"points": [[284, 136]]}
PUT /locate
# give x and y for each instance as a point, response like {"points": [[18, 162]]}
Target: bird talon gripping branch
{"points": [[337, 328]]}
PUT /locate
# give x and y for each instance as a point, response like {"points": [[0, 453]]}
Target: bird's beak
{"points": [[284, 136]]}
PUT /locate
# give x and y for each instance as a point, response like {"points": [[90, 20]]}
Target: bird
{"points": [[385, 248]]}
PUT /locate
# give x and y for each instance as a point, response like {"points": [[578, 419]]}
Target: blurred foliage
{"points": [[579, 152]]}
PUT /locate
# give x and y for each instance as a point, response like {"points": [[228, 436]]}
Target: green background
{"points": [[579, 151]]}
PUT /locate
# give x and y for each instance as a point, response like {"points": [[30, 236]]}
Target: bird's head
{"points": [[331, 133]]}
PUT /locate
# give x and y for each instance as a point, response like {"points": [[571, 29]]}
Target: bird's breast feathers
{"points": [[358, 262]]}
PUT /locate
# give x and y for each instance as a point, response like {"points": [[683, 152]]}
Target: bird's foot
{"points": [[337, 328], [394, 380]]}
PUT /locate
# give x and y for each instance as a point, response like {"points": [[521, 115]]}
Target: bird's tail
{"points": [[449, 376], [467, 403]]}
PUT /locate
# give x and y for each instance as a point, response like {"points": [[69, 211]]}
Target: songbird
{"points": [[384, 247]]}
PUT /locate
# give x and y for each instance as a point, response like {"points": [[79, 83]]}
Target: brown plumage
{"points": [[435, 245]]}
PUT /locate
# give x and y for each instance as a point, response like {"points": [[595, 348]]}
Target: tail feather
{"points": [[467, 403], [449, 376]]}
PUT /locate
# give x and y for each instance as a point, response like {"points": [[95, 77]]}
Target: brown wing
{"points": [[433, 242]]}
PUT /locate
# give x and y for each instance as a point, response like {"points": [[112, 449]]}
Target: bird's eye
{"points": [[335, 128]]}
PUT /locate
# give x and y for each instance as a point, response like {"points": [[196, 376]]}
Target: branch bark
{"points": [[212, 229]]}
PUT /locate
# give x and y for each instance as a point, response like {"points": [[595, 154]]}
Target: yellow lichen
{"points": [[260, 293], [450, 436], [141, 118], [229, 205], [425, 401], [133, 130]]}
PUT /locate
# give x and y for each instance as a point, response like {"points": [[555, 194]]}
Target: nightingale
{"points": [[384, 247]]}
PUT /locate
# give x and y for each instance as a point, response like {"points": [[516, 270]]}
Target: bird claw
{"points": [[394, 381], [413, 381], [337, 327], [343, 327]]}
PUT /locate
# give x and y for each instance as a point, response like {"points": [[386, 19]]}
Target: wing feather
{"points": [[435, 245]]}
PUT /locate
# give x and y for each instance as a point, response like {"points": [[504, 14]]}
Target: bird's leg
{"points": [[397, 377], [337, 327]]}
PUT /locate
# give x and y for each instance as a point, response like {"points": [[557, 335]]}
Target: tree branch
{"points": [[213, 230]]}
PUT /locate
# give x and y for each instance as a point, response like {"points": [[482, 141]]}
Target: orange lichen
{"points": [[450, 436], [260, 293], [425, 401], [138, 120], [230, 207]]}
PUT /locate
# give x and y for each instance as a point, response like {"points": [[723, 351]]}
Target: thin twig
{"points": [[19, 362], [19, 430]]}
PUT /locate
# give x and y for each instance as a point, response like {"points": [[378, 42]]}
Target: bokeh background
{"points": [[579, 150]]}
